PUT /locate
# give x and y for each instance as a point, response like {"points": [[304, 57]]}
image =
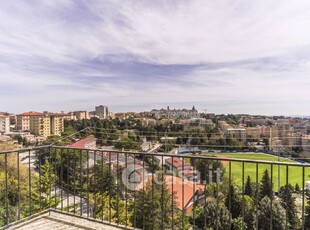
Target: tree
{"points": [[265, 211], [265, 188], [42, 196], [212, 214], [207, 170], [238, 224], [104, 179], [307, 212], [113, 209], [14, 196], [248, 190], [288, 203], [69, 164], [127, 143], [248, 211], [233, 201], [297, 188], [154, 210]]}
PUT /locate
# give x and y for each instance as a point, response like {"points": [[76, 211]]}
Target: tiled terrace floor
{"points": [[57, 221]]}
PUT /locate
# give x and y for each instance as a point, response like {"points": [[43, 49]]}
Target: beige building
{"points": [[41, 124], [23, 121], [239, 134], [80, 115], [4, 124], [57, 124], [146, 122], [253, 133]]}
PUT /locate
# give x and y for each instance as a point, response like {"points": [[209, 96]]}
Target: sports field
{"points": [[294, 172]]}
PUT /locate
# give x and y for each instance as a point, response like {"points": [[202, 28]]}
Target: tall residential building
{"points": [[57, 124], [41, 124], [102, 111], [4, 124], [23, 121]]}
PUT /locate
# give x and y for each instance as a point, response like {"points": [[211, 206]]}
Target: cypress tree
{"points": [[297, 188], [265, 186], [248, 188]]}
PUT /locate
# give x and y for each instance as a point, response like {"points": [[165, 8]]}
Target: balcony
{"points": [[51, 219], [70, 188]]}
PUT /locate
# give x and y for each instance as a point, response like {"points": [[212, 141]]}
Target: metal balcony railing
{"points": [[153, 191]]}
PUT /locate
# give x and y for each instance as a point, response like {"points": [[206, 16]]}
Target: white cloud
{"points": [[232, 53]]}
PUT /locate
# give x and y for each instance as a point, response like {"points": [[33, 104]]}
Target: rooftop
{"points": [[54, 220], [176, 162], [81, 143]]}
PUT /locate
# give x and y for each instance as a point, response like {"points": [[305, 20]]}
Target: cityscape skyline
{"points": [[222, 57]]}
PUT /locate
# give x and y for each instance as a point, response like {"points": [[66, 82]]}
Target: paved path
{"points": [[57, 221]]}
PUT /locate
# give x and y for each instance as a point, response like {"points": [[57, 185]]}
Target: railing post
{"points": [[6, 189]]}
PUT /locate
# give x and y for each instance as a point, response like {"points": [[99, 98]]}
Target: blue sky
{"points": [[226, 56]]}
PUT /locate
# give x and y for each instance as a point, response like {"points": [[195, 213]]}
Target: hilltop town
{"points": [[173, 130]]}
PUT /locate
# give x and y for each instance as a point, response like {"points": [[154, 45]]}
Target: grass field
{"points": [[294, 172]]}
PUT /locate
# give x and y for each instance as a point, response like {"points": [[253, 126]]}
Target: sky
{"points": [[224, 56]]}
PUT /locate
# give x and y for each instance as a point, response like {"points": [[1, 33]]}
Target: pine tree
{"points": [[113, 209], [265, 186], [42, 194], [235, 203], [248, 190], [264, 214], [153, 208], [104, 179], [297, 188], [213, 214], [288, 203]]}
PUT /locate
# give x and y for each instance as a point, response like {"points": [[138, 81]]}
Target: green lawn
{"points": [[294, 172]]}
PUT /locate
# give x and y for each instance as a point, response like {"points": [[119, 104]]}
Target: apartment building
{"points": [[80, 115], [57, 123], [254, 132], [4, 124], [41, 124], [23, 121], [102, 111], [238, 133]]}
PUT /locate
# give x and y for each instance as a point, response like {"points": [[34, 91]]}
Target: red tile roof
{"points": [[31, 113], [82, 143], [187, 172], [176, 185], [177, 162]]}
